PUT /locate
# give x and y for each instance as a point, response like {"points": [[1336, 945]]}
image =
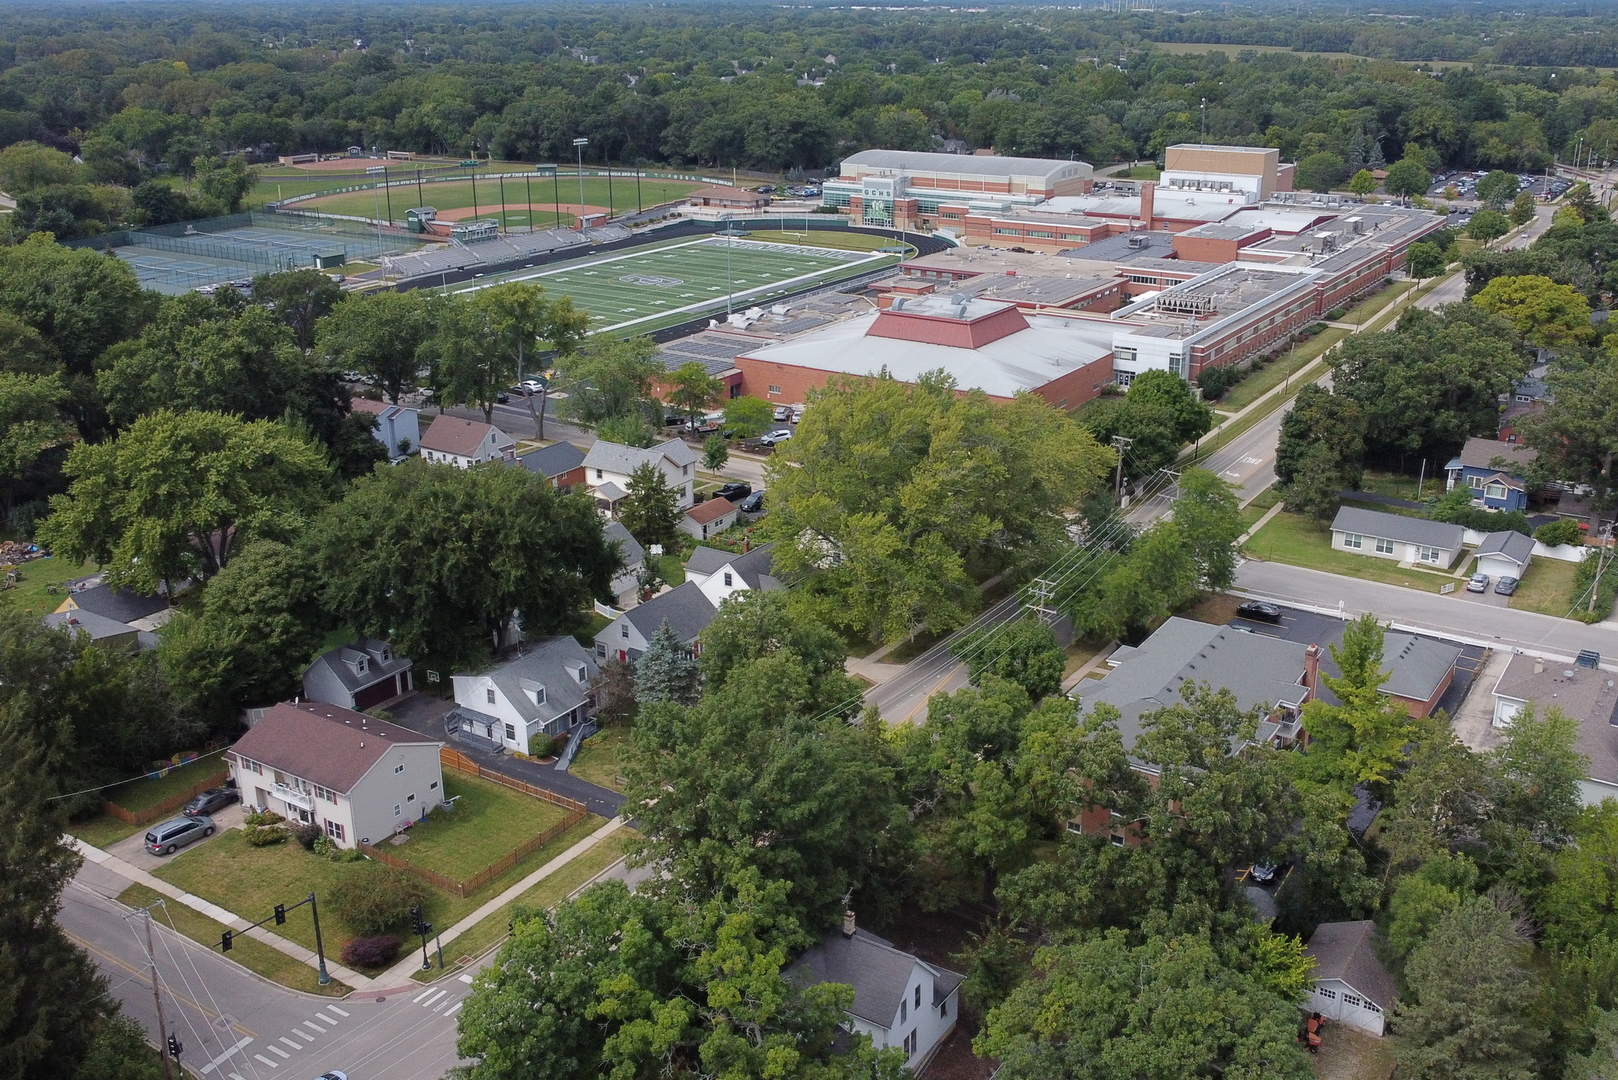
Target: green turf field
{"points": [[642, 290], [457, 194]]}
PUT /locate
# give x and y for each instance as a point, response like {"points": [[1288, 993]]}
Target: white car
{"points": [[770, 438], [797, 416], [781, 411], [533, 386]]}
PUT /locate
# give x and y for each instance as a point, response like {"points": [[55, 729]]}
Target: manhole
{"points": [[381, 1000]]}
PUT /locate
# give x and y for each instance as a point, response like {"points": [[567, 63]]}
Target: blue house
{"points": [[1493, 471]]}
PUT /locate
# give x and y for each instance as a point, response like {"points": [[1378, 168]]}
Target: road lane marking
{"points": [[236, 1076], [278, 1052], [226, 1056], [429, 1002], [465, 978], [306, 1025], [422, 995], [267, 1061], [140, 975], [335, 1009], [289, 1042], [457, 1007]]}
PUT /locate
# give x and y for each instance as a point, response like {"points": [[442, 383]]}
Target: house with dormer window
{"points": [[359, 676], [608, 467], [541, 689], [719, 573]]}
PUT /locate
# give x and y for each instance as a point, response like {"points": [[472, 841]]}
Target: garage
{"points": [[1351, 985], [1504, 554]]}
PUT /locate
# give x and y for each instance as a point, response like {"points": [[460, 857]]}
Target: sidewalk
{"points": [[218, 914]]}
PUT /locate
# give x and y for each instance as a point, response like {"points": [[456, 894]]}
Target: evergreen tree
{"points": [[651, 511], [667, 670]]}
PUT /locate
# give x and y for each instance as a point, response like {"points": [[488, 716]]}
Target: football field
{"points": [[665, 285]]}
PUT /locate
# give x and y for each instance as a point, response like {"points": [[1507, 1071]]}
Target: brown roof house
{"points": [[465, 443], [708, 518], [356, 777], [1587, 695], [1351, 985]]}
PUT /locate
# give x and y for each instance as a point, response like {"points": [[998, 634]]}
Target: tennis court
{"points": [[669, 283], [175, 274]]}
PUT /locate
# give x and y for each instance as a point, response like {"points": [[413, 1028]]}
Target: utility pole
{"points": [[1601, 564], [1041, 591], [157, 996], [1121, 444]]}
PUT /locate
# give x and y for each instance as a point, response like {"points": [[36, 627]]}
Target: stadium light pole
{"points": [[579, 145]]}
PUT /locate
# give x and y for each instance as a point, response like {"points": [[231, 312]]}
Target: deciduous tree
{"points": [[1210, 518], [381, 335], [651, 510], [748, 417], [1023, 651], [1362, 183], [692, 390], [299, 300], [1544, 313]]}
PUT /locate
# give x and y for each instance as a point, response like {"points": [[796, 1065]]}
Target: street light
{"points": [[579, 145]]}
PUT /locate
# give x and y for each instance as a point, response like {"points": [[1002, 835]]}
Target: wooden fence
{"points": [[454, 759], [168, 805]]}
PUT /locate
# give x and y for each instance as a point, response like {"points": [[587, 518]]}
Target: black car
{"points": [[734, 492], [753, 503], [1259, 611], [1506, 585], [210, 801]]}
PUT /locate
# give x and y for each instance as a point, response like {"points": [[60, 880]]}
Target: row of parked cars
{"points": [[193, 823], [746, 499], [810, 190]]}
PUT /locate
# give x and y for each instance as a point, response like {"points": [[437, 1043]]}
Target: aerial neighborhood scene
{"points": [[589, 541]]}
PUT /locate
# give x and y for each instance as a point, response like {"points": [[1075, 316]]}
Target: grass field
{"points": [[600, 757], [671, 283], [40, 589], [1547, 588], [485, 196]]}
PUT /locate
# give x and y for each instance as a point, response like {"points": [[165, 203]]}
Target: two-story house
{"points": [[685, 608], [361, 675], [719, 573], [1493, 472], [607, 467], [561, 463], [544, 689], [899, 999], [398, 427], [464, 443], [358, 778]]}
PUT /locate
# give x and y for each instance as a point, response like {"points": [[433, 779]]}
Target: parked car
{"points": [[1263, 873], [1506, 585], [765, 189], [1479, 583], [534, 386], [335, 1074], [1259, 611], [782, 412], [213, 799], [175, 833], [797, 415], [501, 399], [753, 504], [770, 438], [734, 492]]}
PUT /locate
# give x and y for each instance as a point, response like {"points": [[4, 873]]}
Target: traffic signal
{"points": [[426, 929], [416, 923], [175, 1047], [280, 914], [224, 941]]}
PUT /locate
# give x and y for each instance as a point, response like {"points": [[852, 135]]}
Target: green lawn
{"points": [[34, 594], [1138, 172], [1297, 540], [103, 830], [671, 568], [1372, 305], [488, 823], [1397, 485], [250, 881], [593, 625], [1547, 587], [492, 929], [253, 955], [139, 795], [600, 757], [1291, 368]]}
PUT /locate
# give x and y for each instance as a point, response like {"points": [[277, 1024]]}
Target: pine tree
{"points": [[667, 670], [651, 511]]}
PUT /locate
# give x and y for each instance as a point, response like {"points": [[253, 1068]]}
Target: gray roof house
{"points": [[102, 630], [358, 676], [561, 463], [899, 999], [1395, 536], [1504, 553], [626, 586], [685, 608], [143, 611], [1351, 985], [609, 463], [1419, 670], [1587, 695], [543, 689], [719, 573]]}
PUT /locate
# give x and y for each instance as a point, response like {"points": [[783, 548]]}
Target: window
{"points": [[325, 793], [1076, 826], [1384, 546], [918, 995], [601, 649], [334, 830], [249, 763], [1474, 482], [1117, 838], [397, 769], [728, 579], [1372, 1006], [775, 389], [943, 1009], [623, 631], [598, 474], [1427, 554], [433, 786], [1353, 540], [397, 809], [511, 732], [411, 797], [1352, 999], [1329, 995], [904, 1010], [1495, 491], [488, 694], [685, 470]]}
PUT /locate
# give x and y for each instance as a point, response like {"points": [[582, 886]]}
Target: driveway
{"points": [[132, 849], [425, 713]]}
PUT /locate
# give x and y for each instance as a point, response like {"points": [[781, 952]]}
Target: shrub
{"points": [[371, 952], [325, 847], [265, 835], [268, 817], [543, 746], [1562, 531], [306, 833], [373, 898]]}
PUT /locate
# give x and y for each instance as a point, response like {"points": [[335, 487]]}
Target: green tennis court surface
{"points": [[668, 284]]}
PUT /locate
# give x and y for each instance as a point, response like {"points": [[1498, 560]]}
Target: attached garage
{"points": [[1351, 985]]}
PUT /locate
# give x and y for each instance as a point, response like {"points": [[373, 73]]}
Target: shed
{"points": [[708, 518], [1351, 985]]}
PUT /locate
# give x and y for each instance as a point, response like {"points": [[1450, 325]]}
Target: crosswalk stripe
{"points": [[289, 1042], [422, 995], [226, 1056], [457, 1008], [325, 1019], [277, 1051], [267, 1061], [307, 1026], [335, 1009], [429, 1002], [236, 1076]]}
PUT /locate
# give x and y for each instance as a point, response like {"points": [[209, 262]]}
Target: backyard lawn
{"points": [[1547, 587], [488, 823], [40, 589], [600, 757], [253, 955], [104, 829], [1297, 540]]}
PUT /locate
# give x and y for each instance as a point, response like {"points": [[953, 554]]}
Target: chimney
{"points": [[1147, 190], [848, 924], [747, 541], [1311, 670], [1539, 665]]}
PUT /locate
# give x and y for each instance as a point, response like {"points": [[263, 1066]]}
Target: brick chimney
{"points": [[1147, 193], [1539, 665], [1311, 670], [747, 541], [848, 924]]}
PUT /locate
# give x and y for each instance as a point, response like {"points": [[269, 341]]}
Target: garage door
{"points": [[374, 694]]}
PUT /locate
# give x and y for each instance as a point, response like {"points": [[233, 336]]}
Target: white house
{"points": [[609, 463], [899, 999], [685, 608], [360, 779], [398, 427], [465, 443], [626, 586], [1351, 985], [708, 518], [1397, 537], [720, 573], [1505, 553], [543, 690], [359, 676], [1586, 695]]}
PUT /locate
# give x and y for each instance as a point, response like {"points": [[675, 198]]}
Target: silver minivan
{"points": [[175, 833]]}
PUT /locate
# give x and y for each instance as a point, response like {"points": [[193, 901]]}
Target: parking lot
{"points": [[1465, 185]]}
